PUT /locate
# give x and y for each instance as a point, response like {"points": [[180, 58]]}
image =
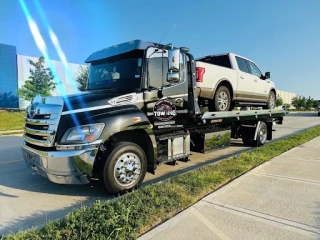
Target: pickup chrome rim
{"points": [[271, 102], [127, 169], [263, 133], [223, 100]]}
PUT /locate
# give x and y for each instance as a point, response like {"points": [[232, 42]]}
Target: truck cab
{"points": [[146, 73]]}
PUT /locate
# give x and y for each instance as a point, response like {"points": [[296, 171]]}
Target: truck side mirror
{"points": [[267, 75], [174, 60]]}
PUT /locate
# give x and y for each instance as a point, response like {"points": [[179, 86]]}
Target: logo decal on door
{"points": [[164, 110]]}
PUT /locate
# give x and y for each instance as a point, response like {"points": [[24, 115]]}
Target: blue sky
{"points": [[282, 37]]}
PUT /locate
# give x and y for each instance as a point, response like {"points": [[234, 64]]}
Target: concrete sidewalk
{"points": [[277, 200]]}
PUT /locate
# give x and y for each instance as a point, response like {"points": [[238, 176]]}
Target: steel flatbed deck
{"points": [[240, 116]]}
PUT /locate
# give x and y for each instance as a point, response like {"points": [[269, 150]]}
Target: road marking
{"points": [[12, 161]]}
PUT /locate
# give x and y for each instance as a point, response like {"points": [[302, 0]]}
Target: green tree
{"points": [[82, 78], [40, 81], [287, 105], [279, 101], [309, 103], [299, 102], [315, 104]]}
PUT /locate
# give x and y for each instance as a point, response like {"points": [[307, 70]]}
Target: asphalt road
{"points": [[28, 200]]}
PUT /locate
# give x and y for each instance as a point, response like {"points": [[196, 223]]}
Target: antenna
{"points": [[170, 29]]}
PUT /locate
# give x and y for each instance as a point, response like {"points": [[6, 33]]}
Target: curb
{"points": [[10, 133]]}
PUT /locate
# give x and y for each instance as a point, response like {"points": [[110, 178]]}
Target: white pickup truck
{"points": [[228, 80]]}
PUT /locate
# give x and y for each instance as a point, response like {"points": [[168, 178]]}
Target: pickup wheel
{"points": [[222, 99], [271, 104], [125, 168]]}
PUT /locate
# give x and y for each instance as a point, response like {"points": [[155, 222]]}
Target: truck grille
{"points": [[40, 129]]}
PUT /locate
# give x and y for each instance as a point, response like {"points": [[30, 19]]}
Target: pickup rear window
{"points": [[222, 60]]}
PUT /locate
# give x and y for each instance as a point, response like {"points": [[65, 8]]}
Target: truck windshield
{"points": [[122, 72]]}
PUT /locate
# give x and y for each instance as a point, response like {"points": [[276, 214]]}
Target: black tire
{"points": [[222, 94], [271, 104], [319, 114], [261, 136], [232, 106], [115, 166]]}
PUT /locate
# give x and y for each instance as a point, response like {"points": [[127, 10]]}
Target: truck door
{"points": [[157, 86], [248, 85], [261, 85], [177, 90]]}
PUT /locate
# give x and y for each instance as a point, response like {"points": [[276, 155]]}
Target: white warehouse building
{"points": [[65, 79], [286, 96]]}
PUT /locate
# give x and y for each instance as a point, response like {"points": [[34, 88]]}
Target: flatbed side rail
{"points": [[243, 115]]}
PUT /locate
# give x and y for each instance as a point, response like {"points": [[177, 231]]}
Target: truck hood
{"points": [[89, 99]]}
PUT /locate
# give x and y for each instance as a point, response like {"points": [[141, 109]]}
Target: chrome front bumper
{"points": [[63, 167]]}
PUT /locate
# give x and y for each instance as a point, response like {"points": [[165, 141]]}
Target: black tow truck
{"points": [[140, 109]]}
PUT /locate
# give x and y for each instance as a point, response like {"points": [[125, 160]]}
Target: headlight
{"points": [[82, 134]]}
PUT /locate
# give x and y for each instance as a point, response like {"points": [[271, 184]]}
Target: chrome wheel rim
{"points": [[271, 102], [263, 133], [127, 169], [223, 100]]}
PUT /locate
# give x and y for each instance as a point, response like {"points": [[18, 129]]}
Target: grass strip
{"points": [[131, 215], [11, 120]]}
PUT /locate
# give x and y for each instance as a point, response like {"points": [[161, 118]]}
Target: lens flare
{"points": [[56, 44], [61, 54], [42, 47], [37, 35]]}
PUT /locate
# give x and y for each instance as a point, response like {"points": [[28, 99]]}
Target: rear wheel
{"points": [[222, 99], [262, 132], [125, 167]]}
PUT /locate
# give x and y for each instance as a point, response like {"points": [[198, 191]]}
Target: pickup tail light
{"points": [[199, 73]]}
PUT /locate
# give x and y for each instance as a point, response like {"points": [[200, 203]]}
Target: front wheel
{"points": [[125, 168], [271, 104], [222, 99]]}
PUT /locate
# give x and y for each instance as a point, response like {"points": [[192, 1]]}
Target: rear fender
{"points": [[219, 82]]}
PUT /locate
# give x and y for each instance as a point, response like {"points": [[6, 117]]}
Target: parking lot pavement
{"points": [[28, 200], [277, 200]]}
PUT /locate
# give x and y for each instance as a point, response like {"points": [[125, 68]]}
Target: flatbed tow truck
{"points": [[140, 109]]}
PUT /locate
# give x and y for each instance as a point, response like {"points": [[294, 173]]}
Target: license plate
{"points": [[32, 158]]}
